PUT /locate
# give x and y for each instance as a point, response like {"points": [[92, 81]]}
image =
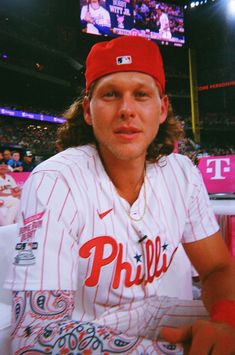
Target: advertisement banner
{"points": [[20, 178], [218, 173]]}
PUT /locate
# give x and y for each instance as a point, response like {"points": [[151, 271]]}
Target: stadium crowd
{"points": [[39, 137], [23, 148]]}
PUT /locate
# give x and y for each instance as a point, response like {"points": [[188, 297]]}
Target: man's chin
{"points": [[128, 154]]}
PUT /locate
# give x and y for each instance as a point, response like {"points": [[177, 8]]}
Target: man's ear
{"points": [[87, 111], [164, 108]]}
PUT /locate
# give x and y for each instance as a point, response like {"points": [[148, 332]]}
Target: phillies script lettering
{"points": [[157, 261]]}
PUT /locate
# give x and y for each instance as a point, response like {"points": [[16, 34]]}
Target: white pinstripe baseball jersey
{"points": [[75, 232]]}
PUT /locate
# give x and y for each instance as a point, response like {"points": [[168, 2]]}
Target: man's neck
{"points": [[127, 177]]}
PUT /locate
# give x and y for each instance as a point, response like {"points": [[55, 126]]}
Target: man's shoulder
{"points": [[175, 159], [177, 163], [180, 158], [71, 158], [103, 10]]}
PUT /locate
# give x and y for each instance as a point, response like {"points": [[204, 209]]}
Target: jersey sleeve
{"points": [[83, 12], [201, 221], [46, 251]]}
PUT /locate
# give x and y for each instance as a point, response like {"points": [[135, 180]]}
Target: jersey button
{"points": [[134, 214]]}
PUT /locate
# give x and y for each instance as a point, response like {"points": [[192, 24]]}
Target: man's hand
{"points": [[204, 337], [88, 18]]}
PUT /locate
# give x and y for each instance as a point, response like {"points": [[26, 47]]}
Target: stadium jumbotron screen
{"points": [[158, 21]]}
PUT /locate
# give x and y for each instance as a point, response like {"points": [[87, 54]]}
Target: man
{"points": [[28, 164], [9, 197], [163, 22], [15, 163], [7, 155], [104, 218], [95, 18]]}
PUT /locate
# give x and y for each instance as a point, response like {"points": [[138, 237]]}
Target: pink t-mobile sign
{"points": [[218, 173]]}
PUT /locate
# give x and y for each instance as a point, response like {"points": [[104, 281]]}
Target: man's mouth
{"points": [[127, 130]]}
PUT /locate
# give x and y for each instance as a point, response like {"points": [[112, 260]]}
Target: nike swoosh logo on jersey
{"points": [[103, 214]]}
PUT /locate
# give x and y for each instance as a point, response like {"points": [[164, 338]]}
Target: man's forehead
{"points": [[125, 76], [131, 78]]}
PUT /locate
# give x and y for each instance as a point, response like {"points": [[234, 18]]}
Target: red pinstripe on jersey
{"points": [[43, 253], [59, 260]]}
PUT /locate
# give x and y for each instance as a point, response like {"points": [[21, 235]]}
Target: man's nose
{"points": [[127, 107]]}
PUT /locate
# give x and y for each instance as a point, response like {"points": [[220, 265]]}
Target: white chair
{"points": [[7, 245]]}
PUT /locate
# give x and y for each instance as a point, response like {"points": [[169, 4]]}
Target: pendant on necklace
{"points": [[142, 236]]}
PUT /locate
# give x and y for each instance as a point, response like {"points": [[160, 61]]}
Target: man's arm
{"points": [[38, 318], [42, 324], [104, 30], [216, 269], [18, 168]]}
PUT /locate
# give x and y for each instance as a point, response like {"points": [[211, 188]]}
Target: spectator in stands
{"points": [[28, 163], [9, 197], [15, 162], [6, 155]]}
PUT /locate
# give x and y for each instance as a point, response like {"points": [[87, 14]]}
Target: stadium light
{"points": [[231, 7], [4, 55], [197, 3]]}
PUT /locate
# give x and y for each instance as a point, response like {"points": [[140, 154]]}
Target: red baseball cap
{"points": [[122, 54]]}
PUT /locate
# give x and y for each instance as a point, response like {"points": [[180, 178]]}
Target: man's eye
{"points": [[110, 94], [141, 94]]}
